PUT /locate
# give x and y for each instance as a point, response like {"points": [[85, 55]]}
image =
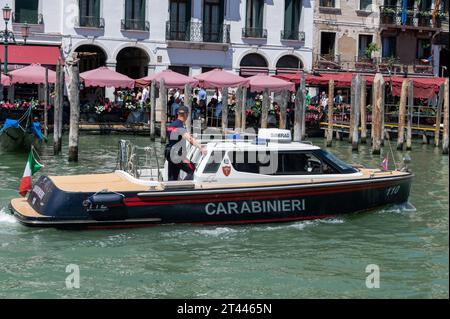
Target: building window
{"points": [[213, 20], [90, 13], [292, 13], [254, 19], [180, 18], [180, 69], [26, 11], [327, 44], [389, 47], [423, 48], [327, 3], [390, 3], [134, 15], [363, 44], [365, 5]]}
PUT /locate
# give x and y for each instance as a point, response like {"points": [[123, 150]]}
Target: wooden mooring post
{"points": [[61, 106], [152, 110], [188, 103], [410, 115], [299, 106], [378, 86], [238, 111], [437, 130], [445, 133], [401, 115], [329, 134], [265, 108], [244, 109], [163, 100], [224, 110], [46, 103], [363, 112], [74, 99], [56, 110], [355, 112], [283, 108]]}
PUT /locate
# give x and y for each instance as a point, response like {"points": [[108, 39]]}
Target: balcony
{"points": [[423, 66], [198, 35], [365, 64], [255, 33], [415, 18], [90, 22], [328, 62], [135, 25], [34, 18], [292, 35]]}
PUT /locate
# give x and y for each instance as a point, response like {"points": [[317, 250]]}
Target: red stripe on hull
{"points": [[247, 196]]}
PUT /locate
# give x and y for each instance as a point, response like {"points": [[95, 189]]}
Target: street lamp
{"points": [[7, 36]]}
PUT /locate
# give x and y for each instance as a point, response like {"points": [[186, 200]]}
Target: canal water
{"points": [[308, 259]]}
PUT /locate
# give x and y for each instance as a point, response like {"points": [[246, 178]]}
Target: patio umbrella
{"points": [[32, 74], [218, 78], [105, 77], [260, 82], [173, 80]]}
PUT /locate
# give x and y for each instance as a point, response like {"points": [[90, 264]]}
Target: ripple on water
{"points": [[6, 218]]}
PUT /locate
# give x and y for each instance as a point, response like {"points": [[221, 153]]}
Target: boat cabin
{"points": [[270, 156]]}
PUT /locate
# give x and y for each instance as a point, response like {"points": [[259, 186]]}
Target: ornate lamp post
{"points": [[8, 36]]}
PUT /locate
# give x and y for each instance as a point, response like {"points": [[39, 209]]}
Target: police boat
{"points": [[238, 180]]}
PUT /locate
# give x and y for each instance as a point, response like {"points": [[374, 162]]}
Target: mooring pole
{"points": [[244, 109], [437, 129], [362, 107], [188, 103], [409, 116], [303, 107], [283, 108], [74, 99], [237, 111], [152, 109], [265, 108], [356, 108], [224, 110], [330, 113], [401, 115], [163, 99], [46, 103], [298, 115], [377, 113], [61, 107], [56, 109], [445, 134], [383, 133]]}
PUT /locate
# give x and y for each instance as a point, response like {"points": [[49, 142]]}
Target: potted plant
{"points": [[371, 49], [424, 18], [440, 16], [388, 15]]}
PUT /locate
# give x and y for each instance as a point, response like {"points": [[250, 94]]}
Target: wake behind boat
{"points": [[266, 179]]}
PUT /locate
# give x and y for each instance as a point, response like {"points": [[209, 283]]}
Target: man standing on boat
{"points": [[175, 152]]}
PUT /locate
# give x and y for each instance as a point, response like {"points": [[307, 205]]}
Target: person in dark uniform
{"points": [[175, 152]]}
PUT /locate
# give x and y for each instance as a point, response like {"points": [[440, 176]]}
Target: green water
{"points": [[311, 259]]}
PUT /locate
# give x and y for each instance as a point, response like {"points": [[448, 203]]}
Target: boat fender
{"points": [[104, 199]]}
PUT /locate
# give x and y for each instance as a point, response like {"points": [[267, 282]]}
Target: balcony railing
{"points": [[363, 63], [258, 33], [292, 35], [135, 25], [198, 32], [328, 62], [423, 66], [30, 18], [391, 15], [91, 22]]}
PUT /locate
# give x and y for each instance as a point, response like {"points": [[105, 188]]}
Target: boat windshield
{"points": [[344, 167]]}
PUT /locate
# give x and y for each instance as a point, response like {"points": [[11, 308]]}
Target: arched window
{"points": [[91, 57], [289, 64], [253, 63], [133, 62]]}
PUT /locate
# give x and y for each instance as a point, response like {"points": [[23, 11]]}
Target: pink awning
{"points": [[172, 80], [260, 82], [105, 77], [32, 74], [218, 78]]}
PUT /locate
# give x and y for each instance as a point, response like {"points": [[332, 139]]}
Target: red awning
{"points": [[31, 54]]}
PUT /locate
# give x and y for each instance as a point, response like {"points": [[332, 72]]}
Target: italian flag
{"points": [[32, 167]]}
